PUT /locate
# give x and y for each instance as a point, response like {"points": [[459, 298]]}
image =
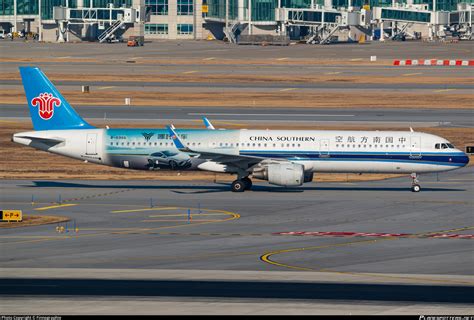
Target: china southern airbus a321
{"points": [[282, 157]]}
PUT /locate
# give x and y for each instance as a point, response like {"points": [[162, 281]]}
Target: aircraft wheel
{"points": [[248, 183], [416, 188], [238, 186]]}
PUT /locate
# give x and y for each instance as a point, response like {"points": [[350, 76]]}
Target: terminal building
{"points": [[314, 21]]}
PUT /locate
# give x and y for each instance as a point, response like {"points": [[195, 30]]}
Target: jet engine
{"points": [[284, 174]]}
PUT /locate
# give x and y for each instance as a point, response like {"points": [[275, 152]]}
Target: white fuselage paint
{"points": [[318, 151]]}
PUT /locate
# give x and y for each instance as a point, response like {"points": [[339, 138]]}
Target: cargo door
{"points": [[91, 146]]}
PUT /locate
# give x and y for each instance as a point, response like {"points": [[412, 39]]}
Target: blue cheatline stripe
{"points": [[384, 160], [352, 152], [439, 159]]}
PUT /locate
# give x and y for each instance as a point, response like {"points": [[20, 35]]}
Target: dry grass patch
{"points": [[379, 99]]}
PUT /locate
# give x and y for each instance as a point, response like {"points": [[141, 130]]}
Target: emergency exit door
{"points": [[91, 146]]}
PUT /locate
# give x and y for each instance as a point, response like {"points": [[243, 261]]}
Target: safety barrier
{"points": [[434, 62]]}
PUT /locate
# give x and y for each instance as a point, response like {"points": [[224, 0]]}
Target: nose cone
{"points": [[465, 159]]}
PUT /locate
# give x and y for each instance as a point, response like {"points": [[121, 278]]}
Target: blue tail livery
{"points": [[48, 108]]}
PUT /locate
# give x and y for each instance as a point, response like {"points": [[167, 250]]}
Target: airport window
{"points": [[156, 7], [153, 28], [185, 8], [185, 28]]}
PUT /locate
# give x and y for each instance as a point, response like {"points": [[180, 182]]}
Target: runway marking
{"points": [[103, 88], [356, 59], [56, 206], [189, 72], [185, 215], [147, 209], [411, 74], [287, 89], [7, 121], [233, 216], [331, 73], [273, 114], [176, 220], [282, 59], [444, 90], [374, 234], [266, 258], [208, 59]]}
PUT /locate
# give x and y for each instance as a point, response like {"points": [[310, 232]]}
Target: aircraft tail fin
{"points": [[48, 108]]}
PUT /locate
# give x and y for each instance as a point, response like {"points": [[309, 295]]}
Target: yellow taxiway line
{"points": [[56, 206]]}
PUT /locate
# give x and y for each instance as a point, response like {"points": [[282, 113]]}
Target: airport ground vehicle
{"points": [[135, 41]]}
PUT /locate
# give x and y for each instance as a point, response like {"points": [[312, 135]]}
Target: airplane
{"points": [[282, 157]]}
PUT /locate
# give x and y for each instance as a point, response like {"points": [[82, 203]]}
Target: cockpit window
{"points": [[444, 146]]}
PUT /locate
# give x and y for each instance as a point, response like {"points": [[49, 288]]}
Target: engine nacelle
{"points": [[308, 176], [284, 174]]}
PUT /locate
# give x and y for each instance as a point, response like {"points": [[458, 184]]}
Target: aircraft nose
{"points": [[465, 159]]}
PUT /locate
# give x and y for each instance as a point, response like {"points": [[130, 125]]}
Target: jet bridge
{"points": [[108, 20], [460, 22], [324, 22], [402, 17]]}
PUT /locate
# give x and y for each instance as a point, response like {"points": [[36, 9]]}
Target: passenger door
{"points": [[324, 148], [91, 146], [415, 147]]}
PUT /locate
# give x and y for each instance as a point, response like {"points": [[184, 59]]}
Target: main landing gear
{"points": [[240, 185], [415, 186]]}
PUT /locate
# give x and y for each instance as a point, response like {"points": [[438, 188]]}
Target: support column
{"points": [[382, 36], [14, 15]]}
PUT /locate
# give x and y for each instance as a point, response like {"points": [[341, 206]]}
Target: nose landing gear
{"points": [[415, 186]]}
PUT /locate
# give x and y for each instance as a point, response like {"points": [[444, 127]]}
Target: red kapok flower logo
{"points": [[45, 103]]}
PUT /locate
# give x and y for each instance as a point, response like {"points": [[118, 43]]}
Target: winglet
{"points": [[208, 123], [176, 140]]}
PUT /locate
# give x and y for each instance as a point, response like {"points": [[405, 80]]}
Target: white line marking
{"points": [[273, 114]]}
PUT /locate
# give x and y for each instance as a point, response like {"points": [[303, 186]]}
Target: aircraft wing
{"points": [[220, 157]]}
